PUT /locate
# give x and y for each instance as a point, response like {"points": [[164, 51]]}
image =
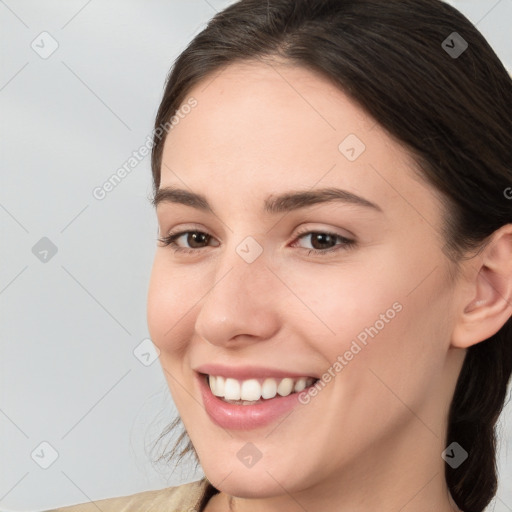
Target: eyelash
{"points": [[170, 241]]}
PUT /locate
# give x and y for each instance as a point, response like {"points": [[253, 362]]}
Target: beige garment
{"points": [[182, 498]]}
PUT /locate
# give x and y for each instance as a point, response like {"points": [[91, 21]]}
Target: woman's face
{"points": [[248, 300]]}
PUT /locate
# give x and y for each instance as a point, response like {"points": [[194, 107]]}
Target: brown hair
{"points": [[451, 112]]}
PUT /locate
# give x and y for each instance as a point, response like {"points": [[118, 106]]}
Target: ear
{"points": [[487, 299]]}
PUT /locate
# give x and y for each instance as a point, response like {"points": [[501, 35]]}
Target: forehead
{"points": [[265, 127], [282, 106], [270, 102]]}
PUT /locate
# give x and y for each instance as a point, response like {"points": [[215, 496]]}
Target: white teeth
{"points": [[218, 387], [232, 389], [212, 381], [269, 388], [285, 387], [252, 390], [300, 384]]}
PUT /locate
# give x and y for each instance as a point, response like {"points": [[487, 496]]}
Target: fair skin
{"points": [[372, 438]]}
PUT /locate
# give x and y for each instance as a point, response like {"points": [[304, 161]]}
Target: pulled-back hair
{"points": [[453, 113]]}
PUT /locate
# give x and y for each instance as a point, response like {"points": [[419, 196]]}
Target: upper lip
{"points": [[247, 372]]}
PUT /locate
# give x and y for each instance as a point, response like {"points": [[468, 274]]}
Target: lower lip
{"points": [[244, 417]]}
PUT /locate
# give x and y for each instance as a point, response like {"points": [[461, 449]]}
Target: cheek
{"points": [[375, 316], [169, 325], [341, 302], [168, 305], [400, 348]]}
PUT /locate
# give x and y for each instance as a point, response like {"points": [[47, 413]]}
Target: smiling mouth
{"points": [[255, 391]]}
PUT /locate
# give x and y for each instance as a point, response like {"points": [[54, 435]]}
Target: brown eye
{"points": [[324, 242], [193, 241], [321, 241], [196, 237]]}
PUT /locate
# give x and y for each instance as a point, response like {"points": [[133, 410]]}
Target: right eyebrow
{"points": [[286, 202], [181, 196]]}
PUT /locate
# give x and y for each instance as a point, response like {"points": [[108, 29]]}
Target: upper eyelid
{"points": [[176, 234], [303, 230], [300, 231]]}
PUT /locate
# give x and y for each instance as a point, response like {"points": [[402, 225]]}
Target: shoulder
{"points": [[181, 498]]}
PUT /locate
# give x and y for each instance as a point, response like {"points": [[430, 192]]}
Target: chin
{"points": [[250, 485], [265, 479]]}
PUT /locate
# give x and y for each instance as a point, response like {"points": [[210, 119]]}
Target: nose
{"points": [[241, 306]]}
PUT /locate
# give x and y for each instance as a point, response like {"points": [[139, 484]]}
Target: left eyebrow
{"points": [[301, 199], [274, 204]]}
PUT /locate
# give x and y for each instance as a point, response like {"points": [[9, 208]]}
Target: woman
{"points": [[331, 293]]}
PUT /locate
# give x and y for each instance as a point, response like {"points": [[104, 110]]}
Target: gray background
{"points": [[70, 324]]}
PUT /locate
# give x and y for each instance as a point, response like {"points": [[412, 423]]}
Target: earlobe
{"points": [[490, 292]]}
